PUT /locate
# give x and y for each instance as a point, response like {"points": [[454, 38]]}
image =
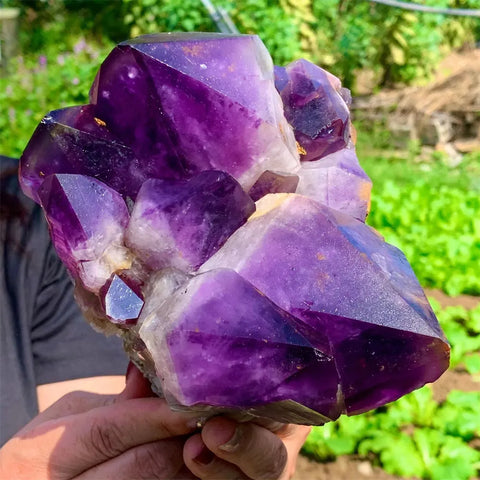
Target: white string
{"points": [[464, 12]]}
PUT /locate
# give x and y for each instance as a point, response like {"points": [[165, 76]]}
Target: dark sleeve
{"points": [[65, 347]]}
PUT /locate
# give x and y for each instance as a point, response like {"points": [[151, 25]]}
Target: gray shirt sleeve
{"points": [[64, 345]]}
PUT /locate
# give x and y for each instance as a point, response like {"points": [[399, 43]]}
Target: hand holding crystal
{"points": [[226, 449], [87, 436]]}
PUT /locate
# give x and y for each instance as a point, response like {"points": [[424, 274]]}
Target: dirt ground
{"points": [[350, 468], [444, 300], [344, 468]]}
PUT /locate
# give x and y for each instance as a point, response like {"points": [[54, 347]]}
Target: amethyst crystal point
{"points": [[183, 223], [314, 106], [219, 341], [86, 219], [337, 181], [311, 260], [93, 310], [192, 102], [74, 140], [124, 95], [272, 182], [121, 302]]}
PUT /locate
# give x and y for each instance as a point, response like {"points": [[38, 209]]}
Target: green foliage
{"points": [[42, 83], [432, 213], [462, 330], [48, 24], [339, 34], [275, 26], [467, 30], [425, 453], [342, 35], [458, 416], [150, 16], [268, 19], [335, 439], [407, 440], [472, 363], [400, 46]]}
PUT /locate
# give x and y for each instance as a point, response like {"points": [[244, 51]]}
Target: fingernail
{"points": [[204, 457], [234, 441]]}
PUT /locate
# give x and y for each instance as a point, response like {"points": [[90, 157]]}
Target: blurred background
{"points": [[415, 80]]}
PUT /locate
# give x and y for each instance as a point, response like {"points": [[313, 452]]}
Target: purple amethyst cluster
{"points": [[210, 209]]}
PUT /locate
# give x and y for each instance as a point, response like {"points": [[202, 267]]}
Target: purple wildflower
{"points": [[80, 46]]}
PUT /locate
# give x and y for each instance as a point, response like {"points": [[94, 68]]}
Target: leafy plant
{"points": [[343, 35], [462, 330], [458, 416], [433, 216], [40, 83]]}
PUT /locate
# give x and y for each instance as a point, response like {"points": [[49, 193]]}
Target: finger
{"points": [[298, 433], [156, 460], [136, 385], [107, 432], [205, 465], [70, 404], [293, 437], [259, 453], [186, 474]]}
